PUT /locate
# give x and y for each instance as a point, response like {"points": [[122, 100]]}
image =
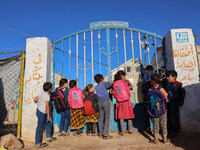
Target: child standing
{"points": [[156, 102], [173, 90], [124, 107], [43, 115], [75, 99], [104, 106], [91, 110], [146, 85], [65, 114]]}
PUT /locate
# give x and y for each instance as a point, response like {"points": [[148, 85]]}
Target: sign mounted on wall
{"points": [[182, 37], [117, 24]]}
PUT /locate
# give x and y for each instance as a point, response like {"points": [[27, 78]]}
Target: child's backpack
{"points": [[88, 105], [121, 91], [59, 100], [146, 85], [75, 98], [181, 97], [156, 102]]}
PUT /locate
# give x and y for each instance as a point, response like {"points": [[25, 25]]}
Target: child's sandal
{"points": [[153, 142]]}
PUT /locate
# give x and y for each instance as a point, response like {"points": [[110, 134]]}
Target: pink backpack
{"points": [[75, 98], [121, 91]]}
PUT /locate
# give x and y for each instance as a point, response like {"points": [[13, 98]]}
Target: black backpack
{"points": [[181, 97], [59, 100]]}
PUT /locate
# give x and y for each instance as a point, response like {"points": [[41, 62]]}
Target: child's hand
{"points": [[48, 118], [36, 99], [140, 60], [167, 100], [111, 82]]}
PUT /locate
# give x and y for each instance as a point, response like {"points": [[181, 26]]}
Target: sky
{"points": [[57, 18]]}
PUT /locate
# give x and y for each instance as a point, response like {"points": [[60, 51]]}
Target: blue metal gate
{"points": [[102, 48]]}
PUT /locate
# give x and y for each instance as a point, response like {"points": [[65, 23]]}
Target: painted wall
{"points": [[37, 71], [182, 56]]}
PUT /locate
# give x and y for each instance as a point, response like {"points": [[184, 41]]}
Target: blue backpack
{"points": [[156, 102]]}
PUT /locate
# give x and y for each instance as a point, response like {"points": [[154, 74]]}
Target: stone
{"points": [[11, 142]]}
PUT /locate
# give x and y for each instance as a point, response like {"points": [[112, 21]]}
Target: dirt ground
{"points": [[136, 141]]}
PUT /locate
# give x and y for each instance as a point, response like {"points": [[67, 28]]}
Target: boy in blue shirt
{"points": [[104, 106], [146, 85]]}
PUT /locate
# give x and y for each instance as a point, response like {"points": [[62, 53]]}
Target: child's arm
{"points": [[36, 99], [174, 93], [141, 67], [48, 110]]}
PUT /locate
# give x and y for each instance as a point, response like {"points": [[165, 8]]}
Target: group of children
{"points": [[162, 99], [91, 106]]}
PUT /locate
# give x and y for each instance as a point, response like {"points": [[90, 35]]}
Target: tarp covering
{"points": [[9, 88]]}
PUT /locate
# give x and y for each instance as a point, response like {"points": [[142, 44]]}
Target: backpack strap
{"points": [[90, 95]]}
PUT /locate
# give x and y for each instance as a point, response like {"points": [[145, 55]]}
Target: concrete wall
{"points": [[38, 69], [182, 56]]}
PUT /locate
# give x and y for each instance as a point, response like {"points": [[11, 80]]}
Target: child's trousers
{"points": [[42, 120], [160, 122], [90, 127], [104, 116], [130, 125]]}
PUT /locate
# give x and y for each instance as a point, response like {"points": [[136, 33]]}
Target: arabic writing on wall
{"points": [[34, 83], [185, 59]]}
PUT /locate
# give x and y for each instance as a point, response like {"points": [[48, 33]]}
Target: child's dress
{"points": [[77, 114]]}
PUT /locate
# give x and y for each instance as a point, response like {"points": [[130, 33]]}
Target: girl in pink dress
{"points": [[124, 109]]}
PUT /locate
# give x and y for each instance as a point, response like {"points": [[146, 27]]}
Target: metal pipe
{"points": [[77, 58], [108, 53], [155, 47], [124, 37], [140, 45], [99, 37], [147, 37], [70, 58], [92, 56], [20, 96], [104, 28], [116, 36], [62, 59], [132, 49], [53, 66], [84, 43]]}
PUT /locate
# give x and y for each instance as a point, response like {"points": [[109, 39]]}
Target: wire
{"points": [[12, 52], [16, 31]]}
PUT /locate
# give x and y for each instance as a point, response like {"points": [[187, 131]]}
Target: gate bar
{"points": [[84, 43], [140, 45], [62, 59], [132, 49], [116, 36], [70, 57], [156, 54], [92, 56], [77, 58], [108, 53], [125, 49], [99, 37]]}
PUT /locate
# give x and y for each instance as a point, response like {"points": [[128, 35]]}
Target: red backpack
{"points": [[88, 106], [121, 91]]}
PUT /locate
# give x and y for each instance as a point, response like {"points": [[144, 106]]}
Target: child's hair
{"points": [[62, 82], [149, 68], [98, 78], [87, 88], [72, 84], [119, 74], [173, 73], [47, 86], [156, 78]]}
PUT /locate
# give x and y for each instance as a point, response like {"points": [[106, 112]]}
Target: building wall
{"points": [[182, 57]]}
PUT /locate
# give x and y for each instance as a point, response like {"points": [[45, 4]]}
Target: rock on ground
{"points": [[11, 142]]}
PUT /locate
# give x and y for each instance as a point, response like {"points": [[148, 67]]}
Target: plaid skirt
{"points": [[77, 119], [92, 118]]}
